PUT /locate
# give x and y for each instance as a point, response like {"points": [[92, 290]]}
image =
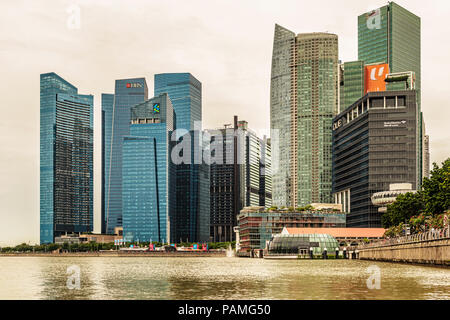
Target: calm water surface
{"points": [[216, 278]]}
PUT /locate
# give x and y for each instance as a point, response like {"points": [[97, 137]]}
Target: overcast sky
{"points": [[227, 45]]}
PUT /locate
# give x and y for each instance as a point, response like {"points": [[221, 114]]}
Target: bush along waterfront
{"points": [[95, 246]]}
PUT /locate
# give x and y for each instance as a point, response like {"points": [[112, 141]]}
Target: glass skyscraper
{"points": [[191, 204], [391, 34], [281, 84], [147, 172], [185, 91], [66, 158], [351, 82], [116, 108], [304, 99], [190, 216]]}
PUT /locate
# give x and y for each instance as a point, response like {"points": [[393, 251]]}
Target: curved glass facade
{"points": [[293, 243]]}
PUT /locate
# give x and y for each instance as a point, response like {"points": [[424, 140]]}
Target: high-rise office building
{"points": [[227, 184], [66, 158], [304, 99], [253, 152], [146, 172], [265, 178], [185, 91], [191, 204], [374, 145], [116, 114], [351, 82], [391, 35], [240, 176], [191, 215]]}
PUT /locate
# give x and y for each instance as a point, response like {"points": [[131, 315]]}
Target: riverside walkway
{"points": [[432, 247]]}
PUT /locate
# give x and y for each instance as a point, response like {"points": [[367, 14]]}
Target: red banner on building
{"points": [[375, 76]]}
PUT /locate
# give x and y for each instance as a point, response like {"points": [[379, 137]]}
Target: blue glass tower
{"points": [[147, 172], [185, 91], [191, 204], [128, 93], [66, 158]]}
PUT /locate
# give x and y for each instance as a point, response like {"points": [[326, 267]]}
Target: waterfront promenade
{"points": [[432, 247]]}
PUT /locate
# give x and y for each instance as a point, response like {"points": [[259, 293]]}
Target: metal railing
{"points": [[435, 234]]}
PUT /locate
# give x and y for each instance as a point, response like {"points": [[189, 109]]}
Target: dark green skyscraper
{"points": [[351, 82], [391, 34]]}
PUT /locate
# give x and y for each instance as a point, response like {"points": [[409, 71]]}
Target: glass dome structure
{"points": [[296, 243]]}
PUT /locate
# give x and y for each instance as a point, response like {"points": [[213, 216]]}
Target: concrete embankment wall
{"points": [[434, 252]]}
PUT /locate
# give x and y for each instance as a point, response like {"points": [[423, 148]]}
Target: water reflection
{"points": [[216, 278]]}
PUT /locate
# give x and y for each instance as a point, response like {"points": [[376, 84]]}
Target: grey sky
{"points": [[227, 45]]}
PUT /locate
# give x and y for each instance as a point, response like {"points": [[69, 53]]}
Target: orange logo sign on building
{"points": [[375, 76]]}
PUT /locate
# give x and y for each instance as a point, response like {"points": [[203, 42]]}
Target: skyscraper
{"points": [[191, 204], [391, 35], [185, 91], [351, 82], [265, 179], [128, 93], [374, 145], [191, 207], [281, 112], [240, 176], [304, 99], [146, 172], [66, 158], [228, 183]]}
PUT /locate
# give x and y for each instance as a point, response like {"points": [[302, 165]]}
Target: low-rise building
{"points": [[345, 236], [86, 238], [257, 225]]}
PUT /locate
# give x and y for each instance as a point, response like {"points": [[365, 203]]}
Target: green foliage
{"points": [[305, 208], [394, 231], [423, 210], [405, 206], [436, 189], [221, 245], [426, 221]]}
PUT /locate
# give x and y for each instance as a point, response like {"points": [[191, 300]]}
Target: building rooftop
{"points": [[339, 232]]}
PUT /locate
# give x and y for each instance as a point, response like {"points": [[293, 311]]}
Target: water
{"points": [[216, 278]]}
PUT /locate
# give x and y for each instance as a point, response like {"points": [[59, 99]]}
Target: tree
{"points": [[405, 206], [436, 189]]}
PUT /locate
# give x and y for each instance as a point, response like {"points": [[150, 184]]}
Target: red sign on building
{"points": [[374, 78]]}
